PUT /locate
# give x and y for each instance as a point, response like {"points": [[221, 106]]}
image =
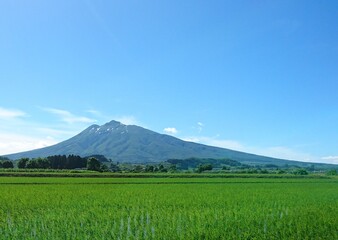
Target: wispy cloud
{"points": [[284, 153], [269, 151], [223, 143], [68, 117], [12, 143], [170, 130], [127, 120], [55, 131], [94, 112], [200, 127], [330, 159], [11, 113]]}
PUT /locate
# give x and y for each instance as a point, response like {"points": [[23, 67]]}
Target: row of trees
{"points": [[156, 168], [192, 163], [204, 167], [54, 162], [57, 162], [6, 164], [100, 163]]}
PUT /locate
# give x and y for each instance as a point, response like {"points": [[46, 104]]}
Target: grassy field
{"points": [[168, 208]]}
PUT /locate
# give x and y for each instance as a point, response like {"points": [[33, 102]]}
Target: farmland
{"points": [[168, 208]]}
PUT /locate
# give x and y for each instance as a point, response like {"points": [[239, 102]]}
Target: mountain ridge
{"points": [[135, 144]]}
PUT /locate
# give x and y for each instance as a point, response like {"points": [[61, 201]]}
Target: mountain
{"points": [[134, 144]]}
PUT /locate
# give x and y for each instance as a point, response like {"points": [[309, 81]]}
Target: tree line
{"points": [[6, 164], [200, 163], [54, 162]]}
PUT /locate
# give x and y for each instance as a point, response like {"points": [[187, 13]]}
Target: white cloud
{"points": [[330, 159], [281, 152], [125, 119], [10, 113], [69, 117], [94, 112], [170, 130], [56, 132], [284, 153], [13, 143], [211, 141], [200, 127]]}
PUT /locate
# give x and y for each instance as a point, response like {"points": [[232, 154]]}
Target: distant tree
{"points": [[172, 168], [194, 162], [74, 161], [43, 163], [104, 168], [200, 169], [137, 169], [64, 162], [38, 163], [270, 166], [31, 164], [0, 164], [311, 168], [149, 168], [300, 172], [331, 172], [55, 162], [93, 164], [99, 157], [114, 167], [205, 167], [22, 162], [7, 164], [280, 171], [161, 168]]}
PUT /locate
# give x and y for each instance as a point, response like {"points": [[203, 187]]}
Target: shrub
{"points": [[93, 164], [300, 172], [331, 172]]}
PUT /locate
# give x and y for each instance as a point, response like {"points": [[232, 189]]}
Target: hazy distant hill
{"points": [[129, 143]]}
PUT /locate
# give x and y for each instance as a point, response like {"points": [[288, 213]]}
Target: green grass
{"points": [[93, 174], [168, 208]]}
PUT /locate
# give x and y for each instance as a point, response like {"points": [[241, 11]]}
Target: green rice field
{"points": [[168, 208]]}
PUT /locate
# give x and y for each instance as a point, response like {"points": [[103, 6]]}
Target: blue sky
{"points": [[256, 76]]}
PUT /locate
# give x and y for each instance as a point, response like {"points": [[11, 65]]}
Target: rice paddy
{"points": [[168, 208]]}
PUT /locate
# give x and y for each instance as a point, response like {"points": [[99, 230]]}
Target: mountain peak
{"points": [[112, 123]]}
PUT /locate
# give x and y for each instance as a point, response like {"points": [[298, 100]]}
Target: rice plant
{"points": [[89, 208]]}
